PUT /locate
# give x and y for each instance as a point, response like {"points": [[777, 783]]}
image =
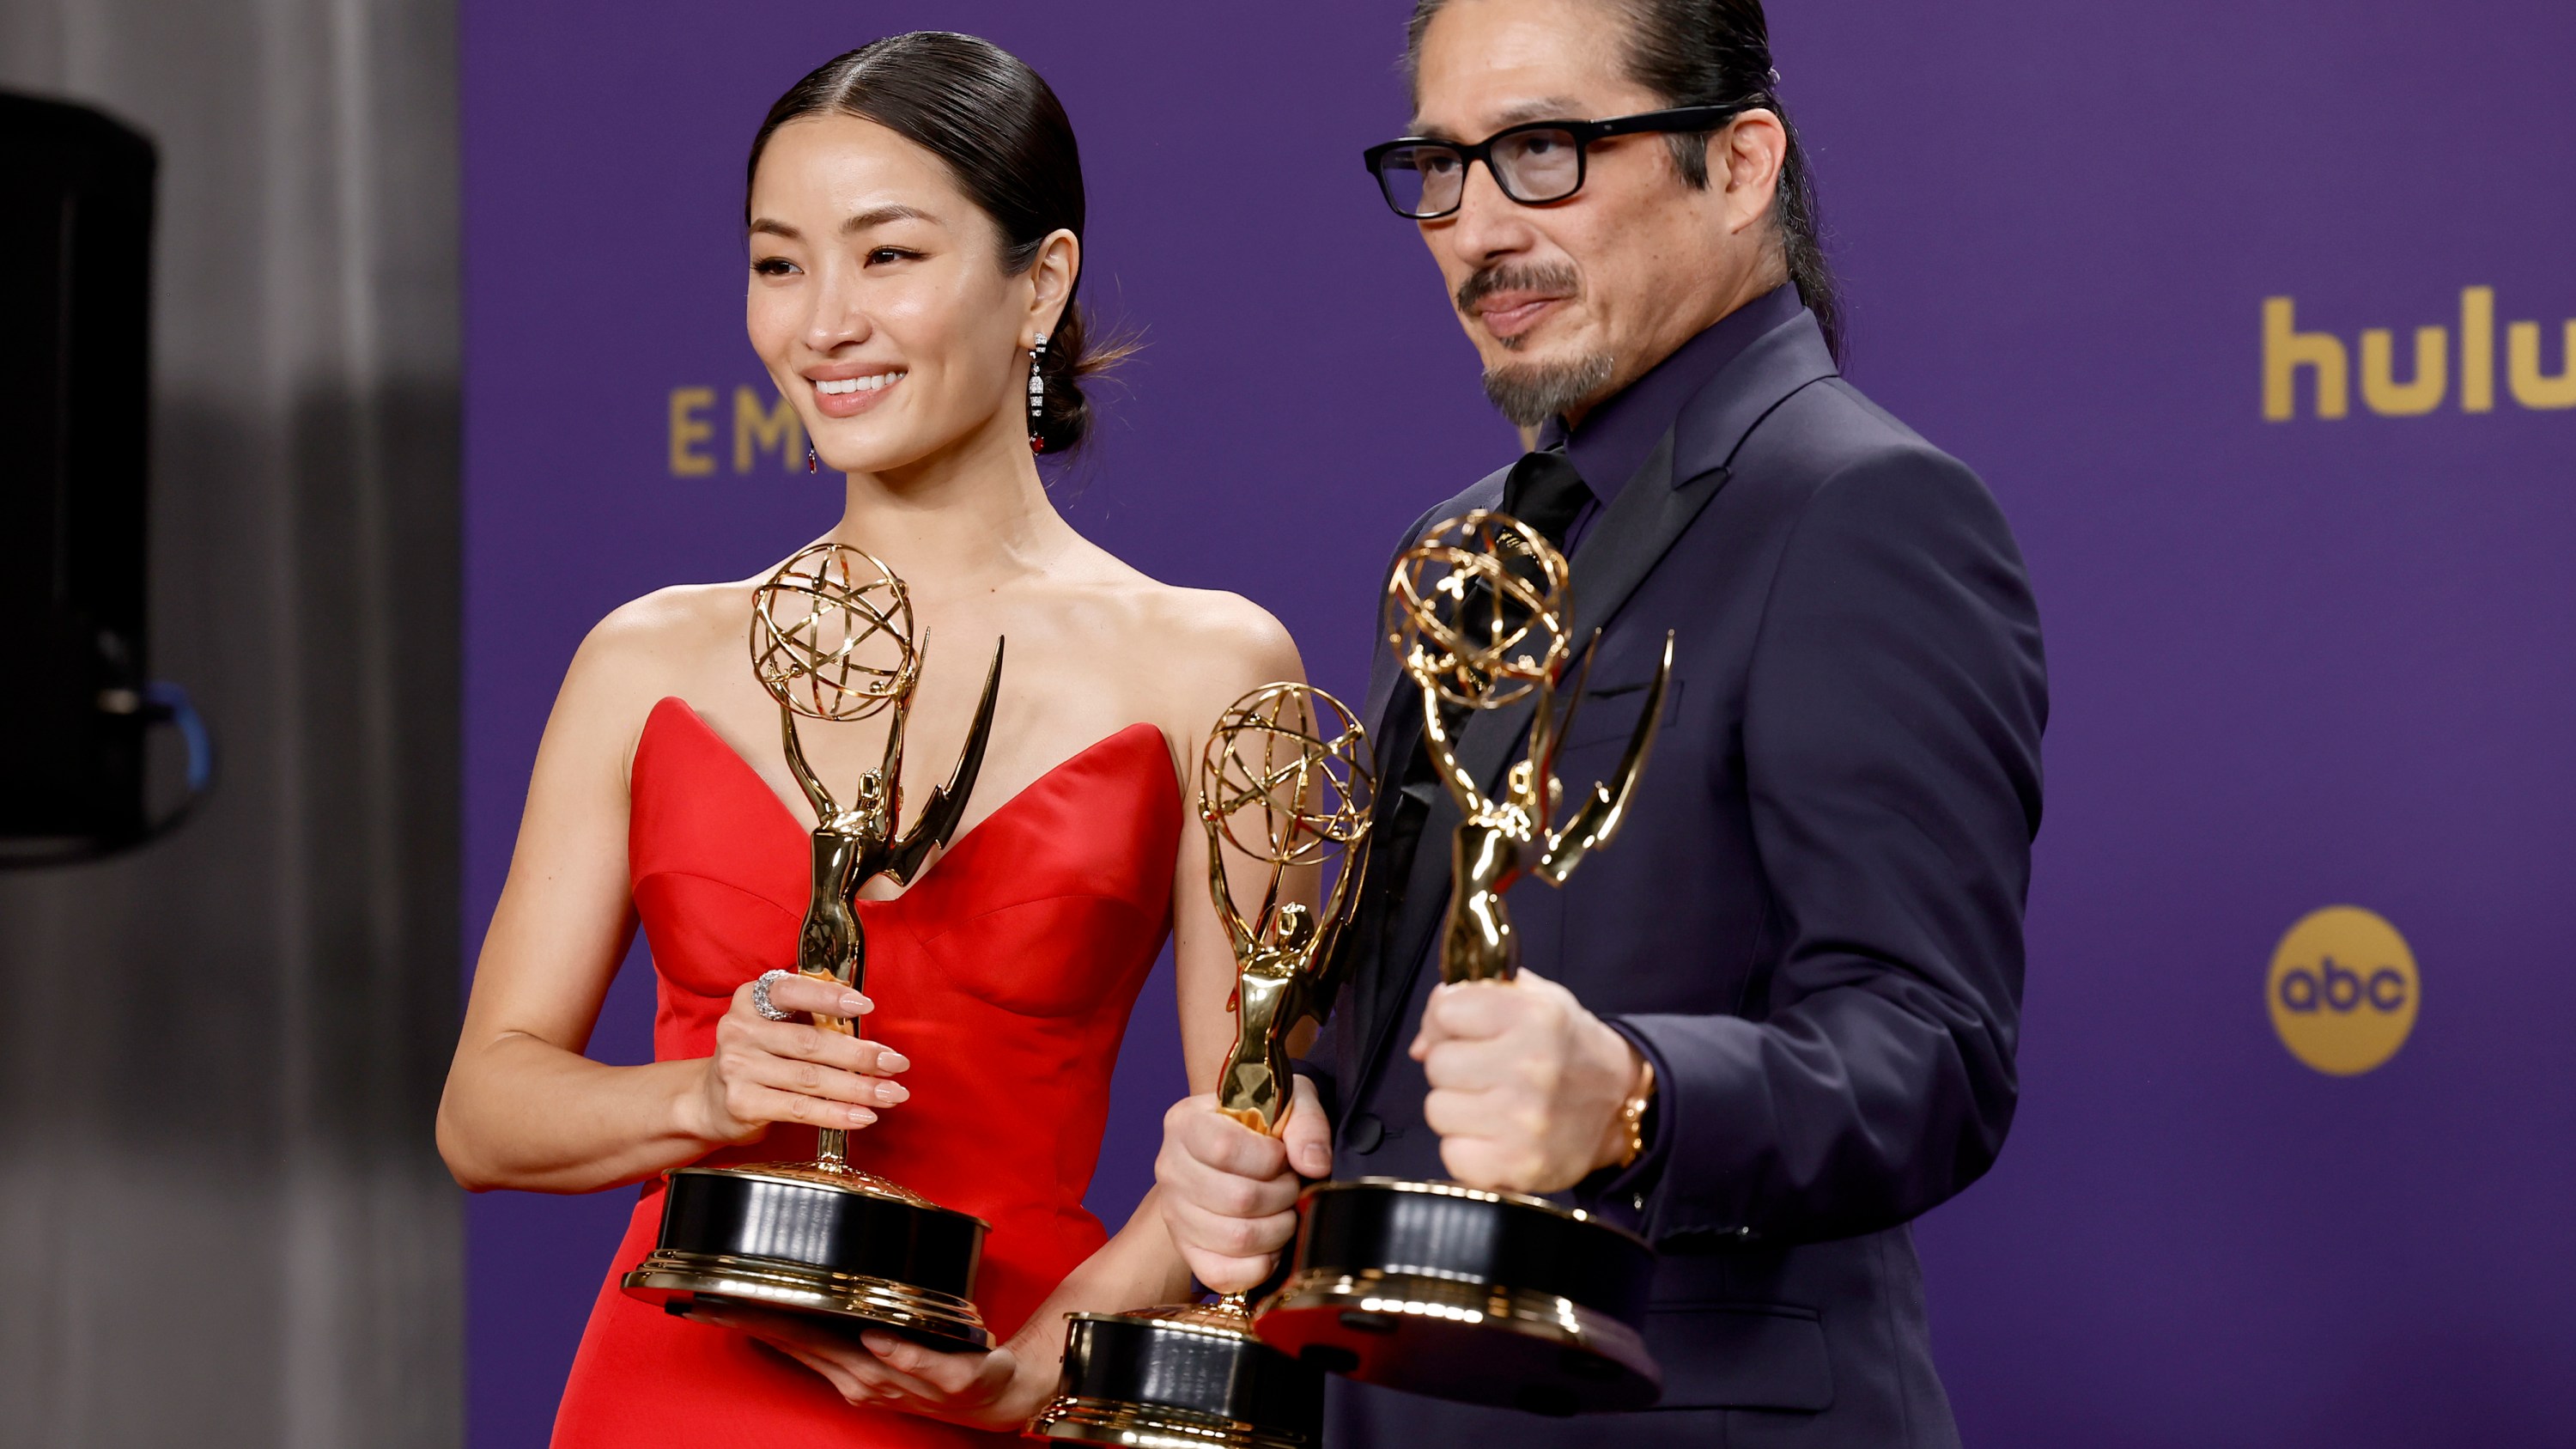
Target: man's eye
{"points": [[1438, 163]]}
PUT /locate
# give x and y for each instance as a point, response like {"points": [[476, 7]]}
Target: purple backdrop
{"points": [[2296, 663]]}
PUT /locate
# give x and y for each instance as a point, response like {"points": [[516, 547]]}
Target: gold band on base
{"points": [[1225, 1318], [817, 1174], [1369, 1315], [666, 1273], [1150, 1426]]}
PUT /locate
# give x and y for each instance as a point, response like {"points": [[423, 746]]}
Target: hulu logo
{"points": [[2321, 356]]}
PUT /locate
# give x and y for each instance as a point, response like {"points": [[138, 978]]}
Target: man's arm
{"points": [[1891, 747]]}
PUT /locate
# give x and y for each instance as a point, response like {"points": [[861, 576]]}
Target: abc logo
{"points": [[2343, 990]]}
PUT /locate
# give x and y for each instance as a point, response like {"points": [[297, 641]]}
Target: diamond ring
{"points": [[760, 1001]]}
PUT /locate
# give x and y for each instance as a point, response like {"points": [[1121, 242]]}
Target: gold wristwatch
{"points": [[1632, 1112]]}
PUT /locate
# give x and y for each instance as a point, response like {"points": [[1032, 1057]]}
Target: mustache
{"points": [[1515, 277]]}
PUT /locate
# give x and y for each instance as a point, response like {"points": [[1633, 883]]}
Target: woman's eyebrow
{"points": [[880, 215], [873, 216]]}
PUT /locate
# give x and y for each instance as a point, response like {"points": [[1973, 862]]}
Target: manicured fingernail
{"points": [[853, 1004], [861, 1116], [893, 1092], [893, 1061]]}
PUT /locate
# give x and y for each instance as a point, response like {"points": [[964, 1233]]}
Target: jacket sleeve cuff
{"points": [[1625, 1195], [1709, 1101]]}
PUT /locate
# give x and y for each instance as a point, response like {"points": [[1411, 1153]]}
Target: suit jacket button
{"points": [[1364, 1133]]}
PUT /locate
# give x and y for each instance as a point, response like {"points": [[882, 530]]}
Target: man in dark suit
{"points": [[1801, 960]]}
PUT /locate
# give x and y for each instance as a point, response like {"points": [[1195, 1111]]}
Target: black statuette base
{"points": [[1169, 1378], [790, 1238], [1478, 1297]]}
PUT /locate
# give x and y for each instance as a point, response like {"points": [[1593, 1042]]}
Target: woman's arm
{"points": [[523, 1107], [1239, 647]]}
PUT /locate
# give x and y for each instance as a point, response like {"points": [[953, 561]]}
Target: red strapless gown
{"points": [[1006, 974]]}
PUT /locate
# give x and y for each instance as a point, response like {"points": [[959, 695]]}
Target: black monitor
{"points": [[76, 220]]}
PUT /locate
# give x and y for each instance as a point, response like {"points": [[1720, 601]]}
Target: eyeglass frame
{"points": [[1675, 120]]}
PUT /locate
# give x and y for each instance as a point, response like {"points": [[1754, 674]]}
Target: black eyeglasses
{"points": [[1533, 164]]}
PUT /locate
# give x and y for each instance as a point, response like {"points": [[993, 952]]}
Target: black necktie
{"points": [[1546, 493]]}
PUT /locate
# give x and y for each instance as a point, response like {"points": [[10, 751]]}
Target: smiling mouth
{"points": [[878, 382]]}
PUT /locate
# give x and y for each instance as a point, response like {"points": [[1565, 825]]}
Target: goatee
{"points": [[1530, 393]]}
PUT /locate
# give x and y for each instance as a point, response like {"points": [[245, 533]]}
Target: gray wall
{"points": [[219, 1058]]}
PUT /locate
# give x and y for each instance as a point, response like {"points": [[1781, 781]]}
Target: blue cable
{"points": [[174, 704]]}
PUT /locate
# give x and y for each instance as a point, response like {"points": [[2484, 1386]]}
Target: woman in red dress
{"points": [[914, 218]]}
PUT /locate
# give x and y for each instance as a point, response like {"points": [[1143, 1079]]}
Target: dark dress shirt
{"points": [[1618, 434]]}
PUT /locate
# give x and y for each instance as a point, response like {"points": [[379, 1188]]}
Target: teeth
{"points": [[876, 383]]}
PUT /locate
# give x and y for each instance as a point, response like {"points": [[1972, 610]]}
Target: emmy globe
{"points": [[1436, 1287], [1295, 759], [832, 639]]}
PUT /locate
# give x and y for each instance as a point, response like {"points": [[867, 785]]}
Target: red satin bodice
{"points": [[1006, 973]]}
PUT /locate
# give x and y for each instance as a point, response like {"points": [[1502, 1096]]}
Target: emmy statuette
{"points": [[832, 639], [1193, 1376], [1434, 1287]]}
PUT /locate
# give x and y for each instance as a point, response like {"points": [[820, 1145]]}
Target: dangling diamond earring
{"points": [[809, 457], [1037, 393]]}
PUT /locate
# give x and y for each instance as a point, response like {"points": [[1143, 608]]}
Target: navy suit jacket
{"points": [[1811, 920]]}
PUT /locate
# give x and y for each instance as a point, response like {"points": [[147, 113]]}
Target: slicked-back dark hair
{"points": [[1004, 136], [1710, 53]]}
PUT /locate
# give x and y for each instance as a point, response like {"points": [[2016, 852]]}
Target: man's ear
{"points": [[1749, 154]]}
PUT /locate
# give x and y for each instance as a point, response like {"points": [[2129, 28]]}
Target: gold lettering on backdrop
{"points": [[756, 427], [2477, 349], [689, 431], [2531, 387], [2289, 353], [2285, 350], [2381, 389]]}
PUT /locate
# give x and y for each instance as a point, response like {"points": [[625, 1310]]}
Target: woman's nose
{"points": [[838, 318]]}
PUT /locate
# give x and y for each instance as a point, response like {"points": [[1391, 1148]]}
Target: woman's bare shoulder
{"points": [[1206, 647], [655, 646], [1190, 629], [1187, 653], [1215, 621]]}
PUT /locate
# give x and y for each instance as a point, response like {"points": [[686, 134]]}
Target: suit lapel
{"points": [[1424, 902], [1688, 468]]}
